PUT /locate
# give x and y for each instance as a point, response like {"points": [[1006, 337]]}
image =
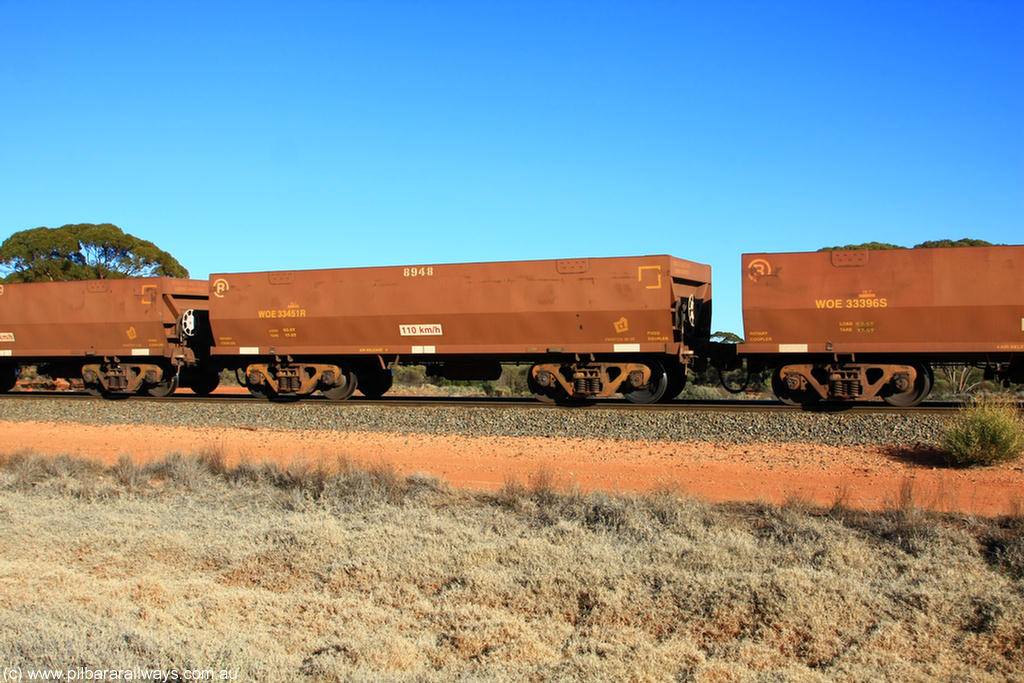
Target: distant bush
{"points": [[513, 381], [701, 392], [410, 375], [985, 433]]}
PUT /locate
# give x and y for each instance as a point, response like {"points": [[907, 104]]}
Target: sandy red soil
{"points": [[869, 478]]}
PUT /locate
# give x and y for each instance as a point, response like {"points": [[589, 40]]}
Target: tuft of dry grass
{"points": [[511, 494], [543, 486], [986, 432], [213, 461], [329, 572]]}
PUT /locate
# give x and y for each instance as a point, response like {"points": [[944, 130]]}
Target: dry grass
{"points": [[327, 572]]}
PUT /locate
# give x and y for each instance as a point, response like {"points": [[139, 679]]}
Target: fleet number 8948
{"points": [[422, 271]]}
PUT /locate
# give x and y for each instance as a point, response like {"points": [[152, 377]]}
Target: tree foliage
{"points": [[930, 244], [865, 245], [727, 337], [83, 252], [965, 242]]}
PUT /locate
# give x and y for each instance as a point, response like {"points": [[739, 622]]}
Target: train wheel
{"points": [[655, 389], [374, 383], [8, 378], [163, 388], [916, 393], [203, 383], [344, 390], [676, 382]]}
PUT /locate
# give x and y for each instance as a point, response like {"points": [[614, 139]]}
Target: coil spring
{"points": [[288, 381], [846, 387], [587, 385]]}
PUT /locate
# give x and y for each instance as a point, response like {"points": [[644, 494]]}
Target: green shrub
{"points": [[984, 433]]}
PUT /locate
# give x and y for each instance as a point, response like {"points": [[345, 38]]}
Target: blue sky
{"points": [[272, 135]]}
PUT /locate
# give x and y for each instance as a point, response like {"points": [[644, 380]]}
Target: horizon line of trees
{"points": [[930, 244]]}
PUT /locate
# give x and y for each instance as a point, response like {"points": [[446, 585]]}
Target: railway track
{"points": [[679, 405], [721, 421]]}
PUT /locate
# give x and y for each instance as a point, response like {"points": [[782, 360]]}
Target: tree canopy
{"points": [[83, 252], [865, 245], [965, 242], [727, 337], [931, 244]]}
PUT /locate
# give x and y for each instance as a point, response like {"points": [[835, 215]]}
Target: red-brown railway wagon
{"points": [[117, 335], [853, 325], [590, 327]]}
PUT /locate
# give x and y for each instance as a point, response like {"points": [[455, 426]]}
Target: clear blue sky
{"points": [[285, 135]]}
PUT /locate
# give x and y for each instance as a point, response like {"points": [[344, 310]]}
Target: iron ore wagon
{"points": [[116, 335], [858, 324], [588, 327]]}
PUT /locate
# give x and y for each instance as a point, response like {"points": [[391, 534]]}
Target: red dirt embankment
{"points": [[869, 478]]}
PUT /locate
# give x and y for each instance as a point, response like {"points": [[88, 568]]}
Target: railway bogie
{"points": [[639, 381], [277, 378], [901, 385], [116, 376]]}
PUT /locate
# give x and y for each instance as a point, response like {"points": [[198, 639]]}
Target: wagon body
{"points": [[129, 317], [589, 327], [507, 310], [853, 325], [944, 303]]}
